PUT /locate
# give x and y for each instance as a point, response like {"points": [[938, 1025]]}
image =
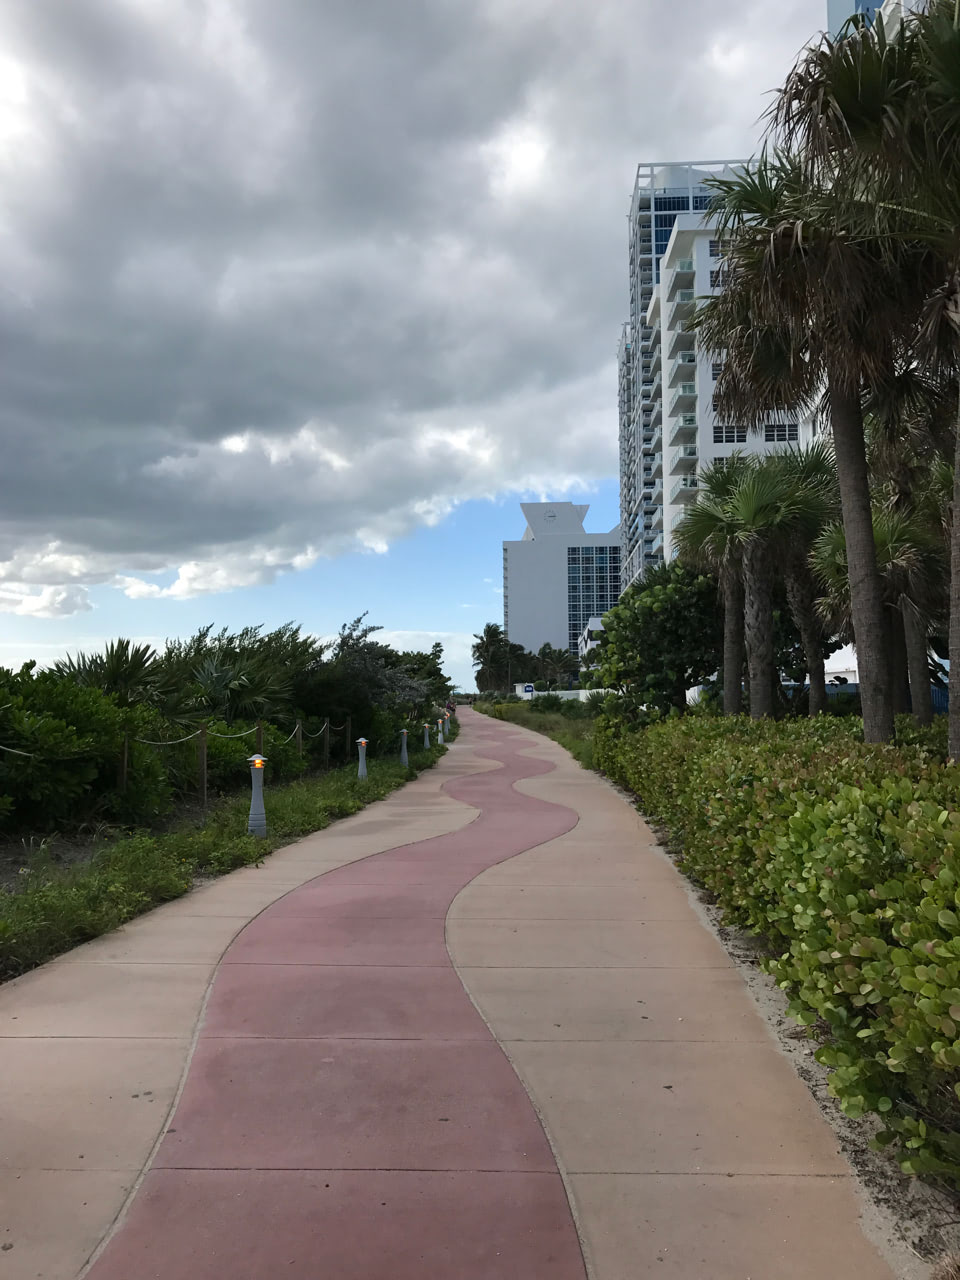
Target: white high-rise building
{"points": [[890, 11], [668, 428], [557, 577]]}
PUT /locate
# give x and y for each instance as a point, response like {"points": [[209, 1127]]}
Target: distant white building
{"points": [[586, 641], [557, 577], [890, 11]]}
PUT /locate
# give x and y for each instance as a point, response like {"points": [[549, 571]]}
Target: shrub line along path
{"points": [[346, 1111]]}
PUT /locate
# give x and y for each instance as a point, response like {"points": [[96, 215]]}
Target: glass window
{"points": [[781, 432], [729, 435]]}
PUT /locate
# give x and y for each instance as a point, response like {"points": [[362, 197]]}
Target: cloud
{"points": [[283, 280]]}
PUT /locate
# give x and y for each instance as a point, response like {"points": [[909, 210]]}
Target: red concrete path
{"points": [[347, 1115]]}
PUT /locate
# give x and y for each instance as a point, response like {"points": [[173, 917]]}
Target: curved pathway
{"points": [[347, 1113]]}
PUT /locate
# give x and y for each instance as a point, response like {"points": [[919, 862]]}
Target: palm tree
{"points": [[833, 309], [555, 665], [911, 558], [707, 538], [492, 658], [134, 674], [878, 124], [809, 502]]}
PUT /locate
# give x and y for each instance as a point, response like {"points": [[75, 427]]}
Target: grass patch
{"points": [[52, 909], [575, 733]]}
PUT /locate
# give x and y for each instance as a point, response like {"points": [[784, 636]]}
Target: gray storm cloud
{"points": [[285, 277]]}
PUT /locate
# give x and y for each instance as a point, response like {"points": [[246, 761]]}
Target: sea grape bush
{"points": [[846, 859]]}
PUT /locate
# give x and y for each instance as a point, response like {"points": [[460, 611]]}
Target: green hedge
{"points": [[846, 857]]}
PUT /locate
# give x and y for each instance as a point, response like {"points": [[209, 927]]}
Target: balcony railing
{"points": [[684, 458], [684, 366], [682, 304], [684, 397], [685, 490]]}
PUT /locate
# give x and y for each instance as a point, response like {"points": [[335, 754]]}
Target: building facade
{"points": [[557, 576], [668, 427], [891, 12]]}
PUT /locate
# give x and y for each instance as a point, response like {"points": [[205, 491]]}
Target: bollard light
{"points": [[404, 758], [257, 824], [426, 737], [362, 748], [440, 732]]}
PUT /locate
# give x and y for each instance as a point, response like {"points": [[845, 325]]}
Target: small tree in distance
{"points": [[663, 637]]}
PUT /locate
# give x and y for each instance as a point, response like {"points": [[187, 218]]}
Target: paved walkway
{"points": [[347, 1113]]}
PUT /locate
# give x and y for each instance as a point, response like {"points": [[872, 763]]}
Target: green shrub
{"points": [[55, 908], [846, 858], [547, 702]]}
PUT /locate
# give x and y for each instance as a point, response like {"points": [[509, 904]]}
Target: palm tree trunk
{"points": [[899, 677], [918, 662], [758, 626], [801, 598], [866, 591], [954, 708], [731, 584]]}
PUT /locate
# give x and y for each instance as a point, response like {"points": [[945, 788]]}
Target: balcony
{"points": [[682, 339], [658, 518], [655, 443], [684, 398], [683, 367], [682, 307], [683, 276], [685, 490], [656, 412], [655, 358], [656, 547], [684, 459]]}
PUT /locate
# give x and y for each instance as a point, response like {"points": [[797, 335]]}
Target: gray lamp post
{"points": [[257, 824], [426, 737], [440, 732], [404, 758], [362, 748]]}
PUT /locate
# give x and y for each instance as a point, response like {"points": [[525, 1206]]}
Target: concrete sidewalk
{"points": [[346, 1112]]}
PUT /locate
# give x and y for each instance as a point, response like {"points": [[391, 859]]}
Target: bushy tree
{"points": [[664, 637]]}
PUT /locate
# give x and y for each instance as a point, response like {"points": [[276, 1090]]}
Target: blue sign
{"points": [[528, 688]]}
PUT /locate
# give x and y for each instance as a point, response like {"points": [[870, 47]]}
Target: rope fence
{"points": [[203, 733]]}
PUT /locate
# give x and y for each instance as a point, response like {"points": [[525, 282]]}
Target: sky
{"points": [[299, 299]]}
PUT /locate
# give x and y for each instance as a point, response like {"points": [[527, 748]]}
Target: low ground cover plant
{"points": [[845, 857], [567, 721], [54, 908]]}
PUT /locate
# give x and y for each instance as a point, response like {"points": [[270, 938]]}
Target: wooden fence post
{"points": [[347, 737], [202, 761], [125, 761], [259, 737], [299, 738], [326, 743]]}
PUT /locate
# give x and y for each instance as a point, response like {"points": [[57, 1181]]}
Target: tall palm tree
{"points": [[912, 563], [838, 309], [810, 500], [707, 538], [878, 123], [757, 508]]}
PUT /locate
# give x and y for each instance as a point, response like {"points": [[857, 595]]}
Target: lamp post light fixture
{"points": [[404, 758], [362, 749], [440, 732], [426, 737], [257, 824]]}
